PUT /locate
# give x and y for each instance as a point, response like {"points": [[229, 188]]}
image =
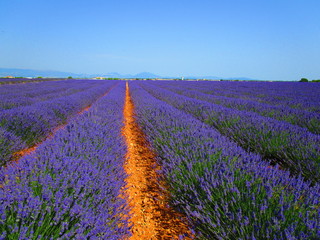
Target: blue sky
{"points": [[261, 39]]}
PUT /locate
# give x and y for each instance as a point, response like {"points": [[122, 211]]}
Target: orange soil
{"points": [[26, 151], [150, 216]]}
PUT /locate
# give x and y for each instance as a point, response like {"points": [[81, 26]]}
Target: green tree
{"points": [[304, 80]]}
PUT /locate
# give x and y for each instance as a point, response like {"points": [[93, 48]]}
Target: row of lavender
{"points": [[22, 80], [302, 118], [277, 141], [225, 192], [69, 187], [13, 96], [302, 96], [41, 108]]}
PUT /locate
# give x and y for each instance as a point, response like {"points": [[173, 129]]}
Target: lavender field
{"points": [[237, 160]]}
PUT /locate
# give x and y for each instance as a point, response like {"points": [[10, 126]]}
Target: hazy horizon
{"points": [[272, 40]]}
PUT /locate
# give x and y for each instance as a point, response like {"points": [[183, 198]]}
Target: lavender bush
{"points": [[302, 118], [226, 192], [22, 80], [70, 187], [302, 96], [293, 147], [32, 123], [13, 96], [9, 143]]}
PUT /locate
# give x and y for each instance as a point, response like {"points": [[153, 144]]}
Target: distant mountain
{"points": [[146, 75], [201, 77], [16, 72], [32, 73], [113, 75], [139, 75]]}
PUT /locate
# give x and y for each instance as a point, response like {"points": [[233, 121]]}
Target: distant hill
{"points": [[16, 72], [139, 75], [146, 75]]}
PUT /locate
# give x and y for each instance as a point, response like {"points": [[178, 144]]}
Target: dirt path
{"points": [[151, 218], [26, 151]]}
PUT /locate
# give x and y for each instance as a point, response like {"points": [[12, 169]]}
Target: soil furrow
{"points": [[150, 216]]}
